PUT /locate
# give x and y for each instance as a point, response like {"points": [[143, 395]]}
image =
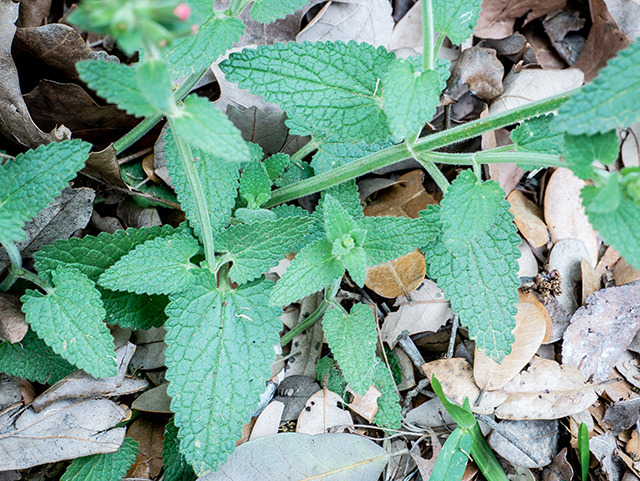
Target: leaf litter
{"points": [[527, 391]]}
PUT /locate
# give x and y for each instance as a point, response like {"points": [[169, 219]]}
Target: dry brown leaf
{"points": [[480, 69], [425, 466], [561, 27], [498, 17], [540, 436], [320, 414], [428, 312], [269, 420], [367, 405], [154, 400], [601, 330], [623, 272], [627, 365], [528, 218], [606, 262], [406, 366], [13, 326], [633, 445], [148, 462], [564, 213], [398, 277], [533, 326], [590, 282], [565, 258], [405, 198], [408, 31], [527, 263]]}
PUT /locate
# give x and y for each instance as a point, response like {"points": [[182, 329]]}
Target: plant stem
{"points": [[202, 211], [14, 254], [147, 124], [237, 6], [432, 169], [495, 157], [31, 277], [428, 54], [305, 150], [396, 153]]}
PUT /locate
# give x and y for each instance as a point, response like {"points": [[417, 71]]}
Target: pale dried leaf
{"points": [[623, 272], [528, 218], [425, 466], [406, 197], [104, 166], [321, 414], [150, 348], [601, 330], [306, 347], [13, 326], [539, 436], [269, 421], [406, 366], [590, 282], [431, 414], [630, 149], [480, 69], [533, 325], [398, 277], [367, 405], [626, 13], [154, 400], [527, 263], [627, 365], [559, 317], [565, 257], [606, 262], [428, 312]]}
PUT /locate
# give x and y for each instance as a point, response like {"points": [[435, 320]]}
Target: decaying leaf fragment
{"points": [[321, 413]]}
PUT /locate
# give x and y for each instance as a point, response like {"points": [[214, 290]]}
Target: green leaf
{"points": [[332, 86], [389, 411], [159, 266], [203, 126], [618, 228], [94, 255], [255, 185], [355, 262], [176, 467], [33, 179], [453, 458], [410, 97], [117, 84], [391, 237], [582, 150], [607, 198], [456, 18], [480, 279], [267, 11], [136, 311], [219, 181], [33, 360], [257, 247], [461, 415], [220, 349], [314, 268], [333, 153], [276, 165], [214, 37], [103, 467], [69, 319], [611, 100], [583, 450], [337, 221], [469, 208], [535, 135], [251, 216], [154, 83], [335, 381], [296, 171], [352, 339]]}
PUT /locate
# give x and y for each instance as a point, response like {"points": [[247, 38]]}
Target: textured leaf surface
{"points": [[93, 255], [314, 268], [456, 18], [267, 11], [611, 100], [220, 350], [255, 185], [176, 467], [332, 87], [389, 411], [582, 150], [33, 360], [33, 179], [619, 228], [255, 248], [333, 153], [137, 311], [352, 338], [159, 266], [117, 84], [219, 181], [480, 279], [69, 319], [535, 135], [391, 237], [155, 84], [410, 97], [103, 467], [205, 127], [198, 51]]}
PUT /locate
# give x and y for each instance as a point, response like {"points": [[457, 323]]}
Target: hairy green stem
{"points": [[432, 169], [14, 254], [495, 156], [428, 54], [436, 48], [31, 277], [237, 6], [199, 199], [147, 124], [305, 150], [396, 153]]}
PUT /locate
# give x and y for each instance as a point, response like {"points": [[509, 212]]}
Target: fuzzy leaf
{"points": [[480, 279], [267, 11], [332, 86], [69, 319], [203, 126], [219, 181], [337, 221], [534, 135], [619, 228], [276, 165], [335, 381], [611, 100], [456, 18], [582, 150], [255, 248], [33, 360], [220, 350], [255, 185], [159, 266], [136, 311], [389, 410], [33, 179], [117, 84], [333, 153], [352, 338], [314, 268], [176, 467], [196, 52], [410, 97], [154, 83], [391, 237], [103, 467]]}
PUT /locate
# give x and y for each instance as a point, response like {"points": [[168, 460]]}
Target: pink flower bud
{"points": [[182, 11]]}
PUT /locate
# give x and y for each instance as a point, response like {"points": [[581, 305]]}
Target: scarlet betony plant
{"points": [[363, 109]]}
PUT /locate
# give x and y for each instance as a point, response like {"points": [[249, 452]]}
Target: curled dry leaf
{"points": [[565, 258], [528, 218], [406, 366], [406, 197], [480, 69], [367, 405], [606, 262], [533, 327], [428, 312], [600, 331], [623, 272], [527, 263], [497, 17], [590, 282], [627, 365], [13, 326], [322, 413]]}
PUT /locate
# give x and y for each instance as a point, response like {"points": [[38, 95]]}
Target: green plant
{"points": [[584, 451], [364, 109]]}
